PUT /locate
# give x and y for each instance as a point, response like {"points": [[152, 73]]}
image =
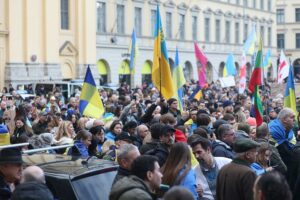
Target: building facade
{"points": [[288, 31], [57, 39]]}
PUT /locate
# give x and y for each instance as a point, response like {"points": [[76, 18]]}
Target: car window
{"points": [[95, 187]]}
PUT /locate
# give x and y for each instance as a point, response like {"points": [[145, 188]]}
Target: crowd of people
{"points": [[212, 149]]}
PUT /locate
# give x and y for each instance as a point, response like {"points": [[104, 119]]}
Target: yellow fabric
{"points": [[124, 68], [146, 68], [4, 139], [101, 68]]}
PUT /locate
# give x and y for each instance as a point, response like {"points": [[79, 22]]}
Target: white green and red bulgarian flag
{"points": [[255, 82]]}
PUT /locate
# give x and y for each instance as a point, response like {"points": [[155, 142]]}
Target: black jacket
{"points": [[5, 192]]}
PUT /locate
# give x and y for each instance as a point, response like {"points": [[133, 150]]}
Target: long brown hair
{"points": [[178, 159]]}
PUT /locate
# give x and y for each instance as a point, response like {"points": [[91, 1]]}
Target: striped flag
{"points": [[133, 52], [161, 71], [178, 81], [90, 103]]}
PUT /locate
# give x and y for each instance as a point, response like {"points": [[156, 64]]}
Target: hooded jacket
{"points": [[221, 149], [131, 188]]}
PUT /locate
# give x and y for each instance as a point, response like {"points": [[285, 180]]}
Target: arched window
{"points": [[221, 69], [124, 72], [296, 66], [188, 71], [209, 72], [248, 71], [146, 72], [103, 70]]}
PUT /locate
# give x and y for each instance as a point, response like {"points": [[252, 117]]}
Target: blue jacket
{"points": [[110, 136], [189, 182], [79, 150]]}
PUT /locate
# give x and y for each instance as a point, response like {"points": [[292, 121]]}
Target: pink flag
{"points": [[201, 65], [242, 84], [283, 68]]}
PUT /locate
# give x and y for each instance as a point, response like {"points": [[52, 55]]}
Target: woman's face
{"points": [[70, 129], [19, 124], [100, 136], [73, 119], [87, 142], [117, 129], [264, 157]]}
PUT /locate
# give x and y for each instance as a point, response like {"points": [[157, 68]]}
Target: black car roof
{"points": [[57, 164]]}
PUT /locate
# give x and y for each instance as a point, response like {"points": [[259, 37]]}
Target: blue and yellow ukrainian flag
{"points": [[161, 71], [229, 68], [289, 96], [90, 103], [133, 52], [267, 59], [249, 45], [197, 94], [178, 81]]}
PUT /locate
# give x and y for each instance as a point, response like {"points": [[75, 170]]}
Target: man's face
{"points": [[168, 138], [3, 105], [289, 121], [193, 115], [273, 114], [201, 154], [143, 131], [131, 156], [229, 137], [12, 172], [174, 105], [251, 155], [155, 177]]}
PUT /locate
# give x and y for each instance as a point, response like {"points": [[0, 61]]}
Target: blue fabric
{"points": [[189, 182], [82, 149], [110, 136], [277, 131], [3, 129], [257, 168], [193, 127]]}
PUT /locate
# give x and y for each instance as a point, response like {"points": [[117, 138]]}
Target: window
{"points": [[227, 31], [195, 27], [207, 29], [238, 2], [181, 26], [218, 31], [120, 19], [298, 40], [153, 21], [245, 3], [269, 5], [254, 4], [64, 14], [169, 25], [269, 36], [237, 33], [280, 41], [280, 16], [138, 21], [262, 32], [245, 32], [297, 14], [262, 4], [101, 17]]}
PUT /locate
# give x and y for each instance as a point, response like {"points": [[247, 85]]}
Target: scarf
{"points": [[279, 134]]}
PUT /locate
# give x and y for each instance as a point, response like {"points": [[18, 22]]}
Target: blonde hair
{"points": [[63, 131]]}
